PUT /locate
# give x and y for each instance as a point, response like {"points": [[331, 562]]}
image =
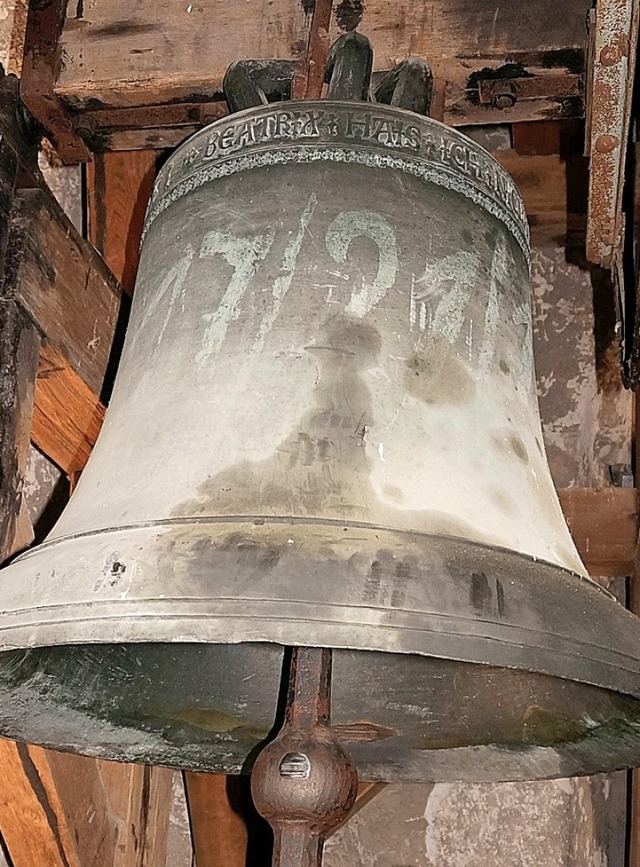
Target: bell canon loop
{"points": [[324, 432]]}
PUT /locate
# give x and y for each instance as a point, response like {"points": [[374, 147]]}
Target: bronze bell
{"points": [[324, 432]]}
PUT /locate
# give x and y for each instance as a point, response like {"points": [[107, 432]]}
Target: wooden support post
{"points": [[218, 829], [57, 809], [41, 65], [19, 343]]}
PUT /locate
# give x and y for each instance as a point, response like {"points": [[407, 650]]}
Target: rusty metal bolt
{"points": [[610, 55], [503, 95], [304, 777], [606, 143]]}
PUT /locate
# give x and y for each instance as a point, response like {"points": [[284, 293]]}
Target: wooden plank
{"points": [[308, 83], [119, 186], [131, 55], [19, 343], [41, 62], [137, 797], [62, 810], [63, 284], [153, 51], [554, 192], [33, 822], [603, 523], [218, 830], [54, 809], [67, 415], [73, 300]]}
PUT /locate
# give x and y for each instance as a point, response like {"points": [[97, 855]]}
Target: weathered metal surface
{"points": [[360, 468], [615, 36], [408, 85], [349, 65], [303, 781], [250, 83]]}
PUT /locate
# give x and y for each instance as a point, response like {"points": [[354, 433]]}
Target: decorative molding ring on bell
{"points": [[366, 134]]}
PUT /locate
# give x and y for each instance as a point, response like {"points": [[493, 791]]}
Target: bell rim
{"points": [[112, 613]]}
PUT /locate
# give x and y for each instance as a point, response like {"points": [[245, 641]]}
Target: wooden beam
{"points": [[34, 825], [218, 828], [63, 284], [61, 810], [73, 299], [19, 344], [41, 63], [58, 810], [149, 55], [308, 84], [604, 525], [554, 190], [67, 415], [119, 186]]}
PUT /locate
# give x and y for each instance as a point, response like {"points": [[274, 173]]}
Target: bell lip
{"points": [[608, 746], [189, 167], [263, 612]]}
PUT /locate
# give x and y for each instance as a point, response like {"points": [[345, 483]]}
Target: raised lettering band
{"points": [[362, 133]]}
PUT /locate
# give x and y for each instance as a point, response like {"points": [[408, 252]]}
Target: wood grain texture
{"points": [[554, 192], [61, 810], [125, 54], [67, 415], [63, 284], [135, 55], [218, 830], [33, 822], [604, 526], [118, 188], [19, 345]]}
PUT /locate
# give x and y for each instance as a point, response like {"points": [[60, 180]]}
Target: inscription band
{"points": [[361, 133]]}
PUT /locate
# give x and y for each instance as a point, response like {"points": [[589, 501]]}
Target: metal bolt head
{"points": [[503, 95], [610, 55], [606, 143], [504, 101]]}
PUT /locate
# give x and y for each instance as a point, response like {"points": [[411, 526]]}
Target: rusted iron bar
{"points": [[303, 782], [613, 51], [555, 86]]}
